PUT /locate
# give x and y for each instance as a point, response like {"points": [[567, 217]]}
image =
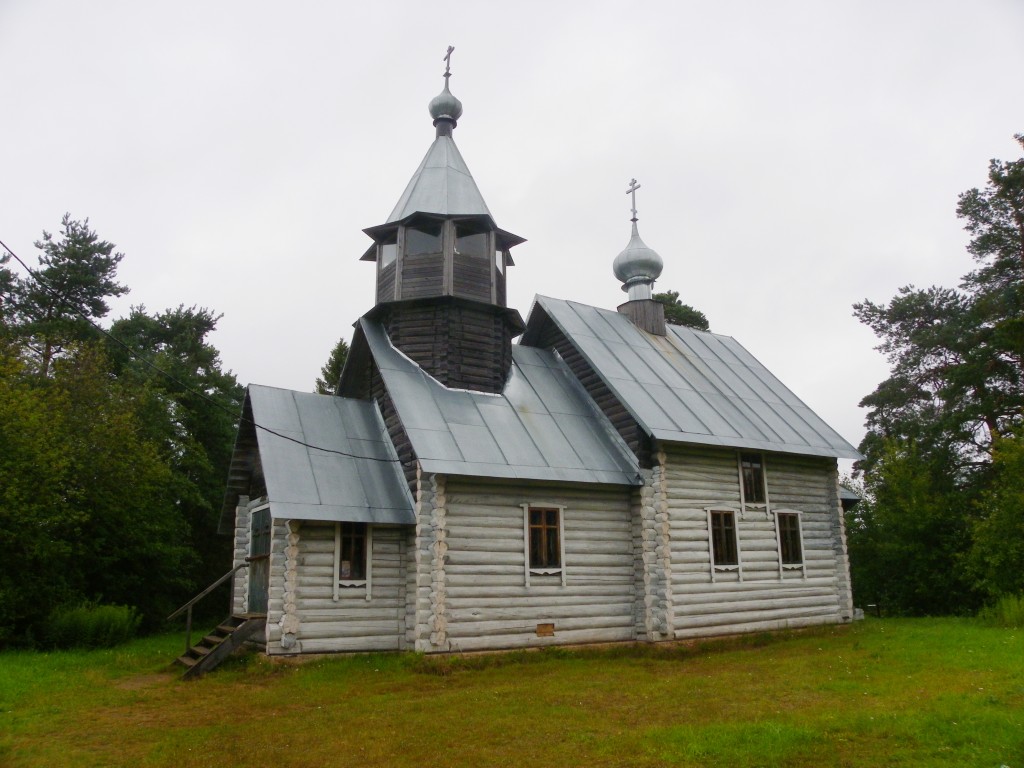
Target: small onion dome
{"points": [[637, 264], [445, 106]]}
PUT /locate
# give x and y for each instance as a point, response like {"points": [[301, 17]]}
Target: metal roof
{"points": [[441, 185], [352, 474], [542, 427], [692, 386]]}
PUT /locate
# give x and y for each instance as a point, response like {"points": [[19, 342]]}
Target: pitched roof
{"points": [[691, 386], [542, 427], [352, 474], [441, 185]]}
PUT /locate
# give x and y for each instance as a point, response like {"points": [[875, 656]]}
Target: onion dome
{"points": [[445, 106], [637, 267]]}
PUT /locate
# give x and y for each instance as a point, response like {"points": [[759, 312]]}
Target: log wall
{"points": [[472, 578], [240, 550], [637, 564], [304, 617], [760, 596]]}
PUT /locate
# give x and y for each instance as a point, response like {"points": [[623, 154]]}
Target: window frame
{"points": [[717, 568], [797, 515], [753, 505], [528, 568], [340, 584]]}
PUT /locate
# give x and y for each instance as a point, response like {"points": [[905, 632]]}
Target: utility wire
{"points": [[143, 359]]}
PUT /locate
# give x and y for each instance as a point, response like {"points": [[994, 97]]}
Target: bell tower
{"points": [[442, 264]]}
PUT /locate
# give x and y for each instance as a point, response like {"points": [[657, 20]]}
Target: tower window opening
{"points": [[387, 251], [423, 239], [471, 243]]}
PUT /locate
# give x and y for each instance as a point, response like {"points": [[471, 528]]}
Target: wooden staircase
{"points": [[221, 643]]}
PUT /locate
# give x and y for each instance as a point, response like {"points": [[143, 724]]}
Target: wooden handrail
{"points": [[188, 606], [209, 589]]}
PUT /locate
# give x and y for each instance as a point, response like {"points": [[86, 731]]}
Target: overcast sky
{"points": [[794, 157]]}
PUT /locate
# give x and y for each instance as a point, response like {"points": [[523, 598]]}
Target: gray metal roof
{"points": [[692, 386], [542, 427], [441, 185], [352, 474]]}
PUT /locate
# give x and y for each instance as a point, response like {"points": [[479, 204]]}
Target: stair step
{"points": [[221, 642]]}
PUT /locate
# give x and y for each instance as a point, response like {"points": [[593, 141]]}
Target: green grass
{"points": [[886, 692]]}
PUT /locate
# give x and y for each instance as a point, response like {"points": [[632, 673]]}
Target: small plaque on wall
{"points": [[545, 630]]}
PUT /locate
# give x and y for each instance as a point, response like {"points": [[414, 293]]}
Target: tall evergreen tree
{"points": [[76, 276], [330, 374]]}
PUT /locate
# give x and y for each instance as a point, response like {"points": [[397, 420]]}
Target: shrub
{"points": [[1007, 611], [90, 626]]}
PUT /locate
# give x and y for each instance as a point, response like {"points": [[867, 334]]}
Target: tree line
{"points": [[941, 529], [113, 448]]}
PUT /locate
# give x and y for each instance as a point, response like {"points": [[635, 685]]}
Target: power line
{"points": [[143, 359]]}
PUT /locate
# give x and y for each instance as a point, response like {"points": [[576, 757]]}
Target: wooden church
{"points": [[606, 478]]}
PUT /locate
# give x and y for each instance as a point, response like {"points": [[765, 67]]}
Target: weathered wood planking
{"points": [[466, 346], [761, 595], [486, 601], [308, 610]]}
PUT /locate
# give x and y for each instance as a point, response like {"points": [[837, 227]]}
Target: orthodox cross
{"points": [[448, 63], [633, 187]]}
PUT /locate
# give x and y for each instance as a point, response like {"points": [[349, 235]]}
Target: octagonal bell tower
{"points": [[442, 264]]}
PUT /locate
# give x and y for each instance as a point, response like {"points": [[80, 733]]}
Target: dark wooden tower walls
{"points": [[441, 297], [463, 344]]}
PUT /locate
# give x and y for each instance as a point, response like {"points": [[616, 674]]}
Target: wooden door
{"points": [[259, 560]]}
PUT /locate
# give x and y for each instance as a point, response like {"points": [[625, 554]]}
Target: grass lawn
{"points": [[880, 693]]}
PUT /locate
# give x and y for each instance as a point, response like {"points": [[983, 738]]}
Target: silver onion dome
{"points": [[445, 106], [637, 267]]}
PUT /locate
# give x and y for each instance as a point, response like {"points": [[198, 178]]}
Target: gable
{"points": [[690, 386]]}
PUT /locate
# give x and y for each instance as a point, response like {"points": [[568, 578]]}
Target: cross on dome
{"points": [[448, 63], [633, 187], [445, 109]]}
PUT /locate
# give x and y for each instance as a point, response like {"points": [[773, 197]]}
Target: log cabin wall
{"points": [[462, 345], [304, 617], [760, 596], [472, 575], [276, 589], [240, 550]]}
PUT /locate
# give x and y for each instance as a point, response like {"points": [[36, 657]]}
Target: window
{"points": [[545, 551], [353, 552], [752, 475], [387, 250], [723, 538], [791, 551], [423, 239], [471, 241]]}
